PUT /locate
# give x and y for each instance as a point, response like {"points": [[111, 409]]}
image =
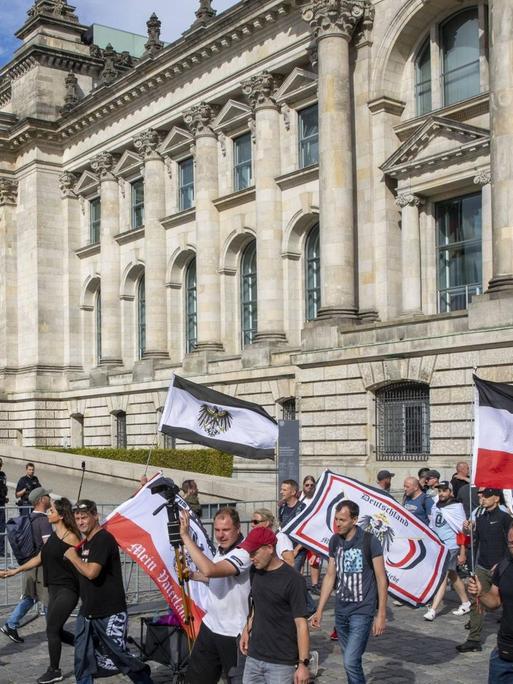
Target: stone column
{"points": [[102, 165], [154, 244], [333, 23], [483, 179], [8, 275], [267, 166], [501, 141], [410, 253], [206, 186]]}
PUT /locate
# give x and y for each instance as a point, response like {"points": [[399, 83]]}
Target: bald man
{"points": [[416, 501], [460, 477]]}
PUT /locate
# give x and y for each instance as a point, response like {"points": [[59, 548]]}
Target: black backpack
{"points": [[21, 538]]}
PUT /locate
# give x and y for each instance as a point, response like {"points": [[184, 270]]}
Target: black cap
{"points": [[490, 491], [444, 484], [383, 474], [432, 473]]}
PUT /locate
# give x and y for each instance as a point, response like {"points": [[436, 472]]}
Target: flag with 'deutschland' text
{"points": [[144, 537], [492, 462]]}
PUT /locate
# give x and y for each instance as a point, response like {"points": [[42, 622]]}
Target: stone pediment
{"points": [[233, 115], [436, 140], [298, 85], [177, 142], [130, 164], [87, 184]]}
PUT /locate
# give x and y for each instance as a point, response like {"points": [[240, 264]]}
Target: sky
{"points": [[130, 15]]}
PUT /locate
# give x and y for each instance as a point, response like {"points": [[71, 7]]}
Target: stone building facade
{"points": [[303, 203]]}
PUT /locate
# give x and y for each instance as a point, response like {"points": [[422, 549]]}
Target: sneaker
{"points": [[315, 589], [12, 634], [397, 603], [430, 615], [51, 675], [463, 609], [469, 646], [313, 667], [334, 635]]}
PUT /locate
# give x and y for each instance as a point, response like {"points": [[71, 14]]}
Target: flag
{"points": [[201, 415], [492, 460], [143, 536], [415, 559]]}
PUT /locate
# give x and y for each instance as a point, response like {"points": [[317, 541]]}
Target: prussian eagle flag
{"points": [[201, 415], [492, 461], [415, 559], [144, 537]]}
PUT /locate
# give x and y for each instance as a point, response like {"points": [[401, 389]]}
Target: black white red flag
{"points": [[198, 414], [415, 559], [492, 462]]}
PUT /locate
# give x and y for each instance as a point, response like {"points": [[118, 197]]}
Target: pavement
{"points": [[411, 651]]}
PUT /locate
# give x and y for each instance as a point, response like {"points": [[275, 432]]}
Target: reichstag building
{"points": [[303, 203]]}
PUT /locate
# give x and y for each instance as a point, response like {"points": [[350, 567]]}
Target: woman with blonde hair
{"points": [[263, 517]]}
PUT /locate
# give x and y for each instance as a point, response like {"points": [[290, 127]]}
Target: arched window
{"points": [[191, 309], [402, 422], [141, 317], [423, 79], [459, 38], [98, 327], [312, 274], [248, 297]]}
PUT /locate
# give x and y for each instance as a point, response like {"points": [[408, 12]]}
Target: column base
{"points": [[271, 337], [107, 362], [501, 283], [208, 346], [155, 354], [335, 312], [368, 315]]}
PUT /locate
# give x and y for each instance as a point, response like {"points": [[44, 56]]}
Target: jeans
{"points": [[501, 671], [2, 529], [353, 633], [22, 608], [476, 617], [136, 677], [260, 672]]}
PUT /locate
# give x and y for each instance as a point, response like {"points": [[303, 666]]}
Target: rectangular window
{"points": [[242, 174], [459, 252], [137, 204], [402, 422], [95, 219], [186, 184], [308, 136]]}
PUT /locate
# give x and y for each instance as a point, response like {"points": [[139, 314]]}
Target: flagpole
{"points": [[472, 438], [152, 447]]}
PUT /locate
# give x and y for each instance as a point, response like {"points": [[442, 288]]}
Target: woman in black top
{"points": [[61, 579]]}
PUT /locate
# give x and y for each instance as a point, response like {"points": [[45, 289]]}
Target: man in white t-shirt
{"points": [[216, 649]]}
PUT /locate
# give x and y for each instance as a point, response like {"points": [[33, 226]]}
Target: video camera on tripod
{"points": [[169, 491]]}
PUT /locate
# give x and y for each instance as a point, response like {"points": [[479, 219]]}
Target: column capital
{"points": [[199, 118], [147, 144], [483, 177], [335, 17], [103, 165], [67, 182], [408, 199], [260, 90], [8, 191]]}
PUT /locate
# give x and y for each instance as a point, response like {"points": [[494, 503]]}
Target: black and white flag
{"points": [[201, 415]]}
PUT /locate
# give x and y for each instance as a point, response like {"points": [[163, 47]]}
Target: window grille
{"points": [[121, 438], [289, 409], [402, 422]]}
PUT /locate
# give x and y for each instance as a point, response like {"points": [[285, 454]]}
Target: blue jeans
{"points": [[353, 633], [22, 608], [501, 671], [260, 672]]}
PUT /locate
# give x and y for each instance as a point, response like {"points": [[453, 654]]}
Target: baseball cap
{"points": [[85, 506], [432, 473], [490, 491], [383, 474], [259, 536], [36, 494], [444, 484]]}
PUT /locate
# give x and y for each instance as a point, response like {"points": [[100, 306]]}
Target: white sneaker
{"points": [[314, 664], [397, 603], [463, 609], [430, 615]]}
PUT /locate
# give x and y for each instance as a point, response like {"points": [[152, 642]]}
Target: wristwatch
{"points": [[305, 662]]}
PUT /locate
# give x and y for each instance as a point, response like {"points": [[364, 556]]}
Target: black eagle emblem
{"points": [[379, 526], [214, 420]]}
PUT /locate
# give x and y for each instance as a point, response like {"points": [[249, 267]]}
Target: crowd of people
{"points": [[260, 610]]}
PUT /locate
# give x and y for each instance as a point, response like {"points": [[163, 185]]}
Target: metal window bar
{"points": [[402, 422], [457, 298], [121, 440]]}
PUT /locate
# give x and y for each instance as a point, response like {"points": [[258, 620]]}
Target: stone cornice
{"points": [[335, 17], [57, 59], [88, 250]]}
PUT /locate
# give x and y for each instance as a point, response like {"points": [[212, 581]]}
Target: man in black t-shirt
{"points": [[100, 639], [500, 593], [25, 485], [275, 637]]}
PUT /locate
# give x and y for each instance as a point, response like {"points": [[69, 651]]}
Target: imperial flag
{"points": [[415, 559], [492, 462], [144, 537], [201, 415]]}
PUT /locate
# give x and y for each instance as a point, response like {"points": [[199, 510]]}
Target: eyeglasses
{"points": [[309, 485], [256, 522]]}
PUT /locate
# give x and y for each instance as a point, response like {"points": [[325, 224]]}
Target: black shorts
{"points": [[212, 655]]}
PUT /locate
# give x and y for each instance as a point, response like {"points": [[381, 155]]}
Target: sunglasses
{"points": [[309, 485], [256, 522], [83, 508]]}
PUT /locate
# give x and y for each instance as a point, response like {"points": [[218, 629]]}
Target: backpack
{"points": [[21, 538]]}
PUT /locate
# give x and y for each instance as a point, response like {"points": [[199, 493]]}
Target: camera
{"points": [[168, 490]]}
